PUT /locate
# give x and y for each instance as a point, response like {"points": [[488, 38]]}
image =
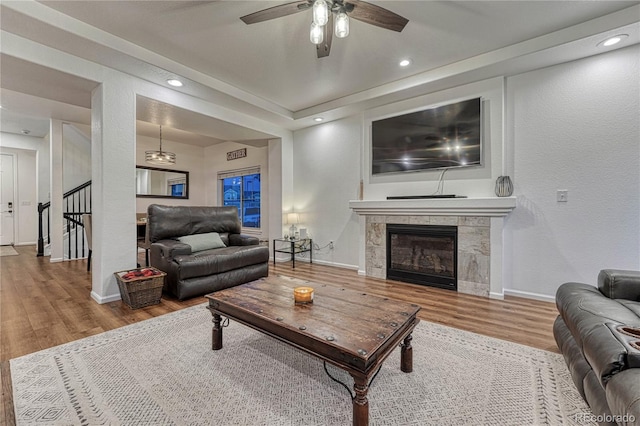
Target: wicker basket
{"points": [[139, 292]]}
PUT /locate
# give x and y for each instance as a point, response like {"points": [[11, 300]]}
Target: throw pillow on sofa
{"points": [[200, 242]]}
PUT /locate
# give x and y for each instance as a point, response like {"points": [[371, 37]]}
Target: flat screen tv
{"points": [[434, 138]]}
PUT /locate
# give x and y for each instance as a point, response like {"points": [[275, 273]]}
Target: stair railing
{"points": [[76, 202]]}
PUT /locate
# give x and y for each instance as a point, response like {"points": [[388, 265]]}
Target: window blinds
{"points": [[239, 172]]}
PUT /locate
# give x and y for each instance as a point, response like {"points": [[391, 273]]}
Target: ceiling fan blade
{"points": [[376, 15], [276, 12], [324, 48]]}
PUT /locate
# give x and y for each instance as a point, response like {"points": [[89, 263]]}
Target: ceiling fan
{"points": [[322, 25]]}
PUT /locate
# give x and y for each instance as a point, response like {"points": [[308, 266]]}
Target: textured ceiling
{"points": [[270, 69], [276, 61]]}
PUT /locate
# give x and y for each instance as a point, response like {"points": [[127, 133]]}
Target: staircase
{"points": [[76, 203]]}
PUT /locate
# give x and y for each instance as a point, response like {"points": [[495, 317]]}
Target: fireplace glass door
{"points": [[423, 254]]}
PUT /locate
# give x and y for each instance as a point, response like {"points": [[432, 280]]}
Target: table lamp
{"points": [[293, 219]]}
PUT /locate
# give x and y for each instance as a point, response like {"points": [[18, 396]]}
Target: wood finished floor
{"points": [[46, 304]]}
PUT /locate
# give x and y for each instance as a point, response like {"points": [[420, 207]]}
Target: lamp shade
{"points": [[316, 34], [293, 218], [160, 158], [320, 12], [342, 25]]}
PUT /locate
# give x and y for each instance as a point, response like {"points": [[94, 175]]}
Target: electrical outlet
{"points": [[330, 245], [562, 195]]}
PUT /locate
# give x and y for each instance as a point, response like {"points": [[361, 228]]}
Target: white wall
{"points": [[33, 155], [330, 160], [326, 170], [25, 209], [76, 157], [573, 126], [576, 127], [113, 137], [216, 161], [189, 158], [41, 146], [32, 161], [584, 106]]}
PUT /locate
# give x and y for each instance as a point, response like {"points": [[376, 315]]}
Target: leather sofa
{"points": [[191, 273], [598, 332]]}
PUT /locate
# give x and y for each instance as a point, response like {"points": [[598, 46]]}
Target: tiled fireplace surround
{"points": [[479, 222], [474, 252]]}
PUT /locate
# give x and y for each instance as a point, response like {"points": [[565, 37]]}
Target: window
{"points": [[177, 190], [177, 187], [242, 190]]}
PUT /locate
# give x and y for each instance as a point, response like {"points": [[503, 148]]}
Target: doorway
{"points": [[7, 193]]}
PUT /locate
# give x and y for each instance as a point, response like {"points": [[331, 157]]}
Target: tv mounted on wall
{"points": [[434, 138]]}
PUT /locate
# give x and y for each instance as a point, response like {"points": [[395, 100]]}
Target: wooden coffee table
{"points": [[352, 330]]}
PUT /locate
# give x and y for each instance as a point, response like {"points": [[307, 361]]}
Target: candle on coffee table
{"points": [[303, 294]]}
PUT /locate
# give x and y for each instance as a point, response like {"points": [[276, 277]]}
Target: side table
{"points": [[293, 247]]}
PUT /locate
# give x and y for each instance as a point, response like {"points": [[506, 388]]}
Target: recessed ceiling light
{"points": [[318, 119], [174, 82], [405, 62], [613, 40]]}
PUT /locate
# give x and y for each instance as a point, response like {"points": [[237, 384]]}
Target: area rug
{"points": [[162, 371], [8, 251]]}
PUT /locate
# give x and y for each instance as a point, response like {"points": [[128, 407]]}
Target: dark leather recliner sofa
{"points": [[598, 332], [190, 273]]}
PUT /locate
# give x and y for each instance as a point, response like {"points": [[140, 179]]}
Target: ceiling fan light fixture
{"points": [[320, 13], [316, 34], [160, 157], [342, 25], [325, 12]]}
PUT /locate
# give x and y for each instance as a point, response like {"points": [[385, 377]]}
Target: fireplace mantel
{"points": [[487, 206]]}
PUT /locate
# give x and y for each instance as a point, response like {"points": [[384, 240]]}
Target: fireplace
{"points": [[423, 254], [480, 223]]}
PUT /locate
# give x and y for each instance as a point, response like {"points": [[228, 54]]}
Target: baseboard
{"points": [[56, 260], [529, 295], [362, 272], [497, 296], [318, 261], [24, 244], [337, 265], [101, 300]]}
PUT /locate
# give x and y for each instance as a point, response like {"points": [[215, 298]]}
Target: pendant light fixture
{"points": [[160, 157]]}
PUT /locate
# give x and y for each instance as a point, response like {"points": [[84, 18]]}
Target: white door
{"points": [[6, 199]]}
